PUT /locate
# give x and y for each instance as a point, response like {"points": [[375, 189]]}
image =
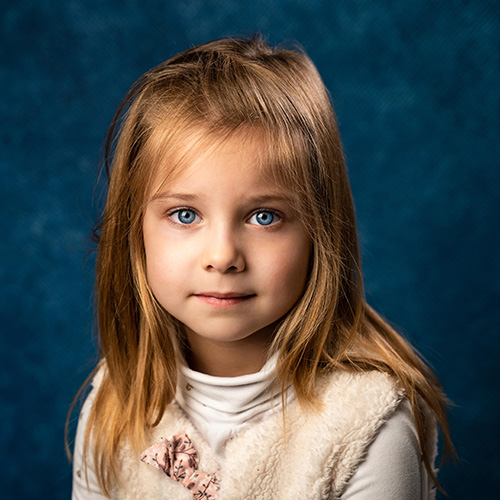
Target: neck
{"points": [[228, 359]]}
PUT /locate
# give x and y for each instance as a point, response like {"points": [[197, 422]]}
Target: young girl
{"points": [[239, 359]]}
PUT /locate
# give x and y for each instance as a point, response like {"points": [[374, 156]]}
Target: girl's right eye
{"points": [[184, 216]]}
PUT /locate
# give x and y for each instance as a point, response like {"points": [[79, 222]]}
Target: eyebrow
{"points": [[176, 196], [264, 198]]}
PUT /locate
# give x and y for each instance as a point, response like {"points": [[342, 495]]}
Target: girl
{"points": [[239, 359]]}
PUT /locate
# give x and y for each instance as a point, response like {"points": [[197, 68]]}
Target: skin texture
{"points": [[226, 255]]}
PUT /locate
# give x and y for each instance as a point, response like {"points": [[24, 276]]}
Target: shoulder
{"points": [[89, 401], [357, 405], [392, 467], [359, 399], [350, 382], [85, 485]]}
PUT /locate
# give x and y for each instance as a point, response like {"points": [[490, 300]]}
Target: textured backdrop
{"points": [[415, 86]]}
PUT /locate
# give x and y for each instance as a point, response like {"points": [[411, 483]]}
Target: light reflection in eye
{"points": [[264, 218], [184, 216]]}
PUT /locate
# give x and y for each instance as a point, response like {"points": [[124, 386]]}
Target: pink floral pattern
{"points": [[178, 459]]}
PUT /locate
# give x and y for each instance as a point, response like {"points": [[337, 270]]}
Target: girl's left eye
{"points": [[185, 216], [264, 218]]}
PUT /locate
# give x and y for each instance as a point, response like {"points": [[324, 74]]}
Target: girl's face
{"points": [[226, 253]]}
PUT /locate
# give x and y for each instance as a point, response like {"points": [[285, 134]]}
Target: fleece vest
{"points": [[308, 454]]}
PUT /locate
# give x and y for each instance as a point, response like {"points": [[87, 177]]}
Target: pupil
{"points": [[265, 218], [186, 216]]}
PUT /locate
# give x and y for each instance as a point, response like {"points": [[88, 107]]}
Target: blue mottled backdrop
{"points": [[416, 89]]}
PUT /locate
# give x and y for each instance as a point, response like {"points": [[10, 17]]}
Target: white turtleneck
{"points": [[220, 407]]}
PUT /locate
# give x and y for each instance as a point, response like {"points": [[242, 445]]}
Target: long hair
{"points": [[221, 88]]}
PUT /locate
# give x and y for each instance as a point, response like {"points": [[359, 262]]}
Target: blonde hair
{"points": [[224, 87]]}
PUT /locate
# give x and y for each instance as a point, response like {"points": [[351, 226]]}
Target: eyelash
{"points": [[171, 213], [272, 211]]}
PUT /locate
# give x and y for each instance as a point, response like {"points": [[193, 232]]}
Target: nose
{"points": [[223, 252]]}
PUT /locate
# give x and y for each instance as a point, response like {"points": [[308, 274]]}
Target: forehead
{"points": [[200, 151]]}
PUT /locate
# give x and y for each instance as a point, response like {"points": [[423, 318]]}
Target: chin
{"points": [[221, 333], [226, 337]]}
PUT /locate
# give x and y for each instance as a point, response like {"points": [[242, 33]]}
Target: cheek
{"points": [[159, 259], [164, 279], [288, 268], [163, 264]]}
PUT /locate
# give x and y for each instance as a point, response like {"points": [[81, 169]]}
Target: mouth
{"points": [[223, 299]]}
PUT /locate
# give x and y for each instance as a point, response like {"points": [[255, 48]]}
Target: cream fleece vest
{"points": [[312, 458]]}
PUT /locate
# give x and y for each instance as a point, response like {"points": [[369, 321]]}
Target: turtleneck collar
{"points": [[219, 407]]}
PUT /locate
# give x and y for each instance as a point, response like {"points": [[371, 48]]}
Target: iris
{"points": [[186, 216], [264, 218]]}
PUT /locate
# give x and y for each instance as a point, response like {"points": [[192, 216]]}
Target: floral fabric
{"points": [[178, 459]]}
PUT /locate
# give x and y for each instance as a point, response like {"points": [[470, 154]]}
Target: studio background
{"points": [[416, 89]]}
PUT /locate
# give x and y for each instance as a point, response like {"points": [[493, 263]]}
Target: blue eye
{"points": [[184, 216], [264, 218]]}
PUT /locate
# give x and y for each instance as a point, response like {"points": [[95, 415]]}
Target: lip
{"points": [[223, 299]]}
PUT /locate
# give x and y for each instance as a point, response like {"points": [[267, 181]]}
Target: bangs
{"points": [[168, 151]]}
